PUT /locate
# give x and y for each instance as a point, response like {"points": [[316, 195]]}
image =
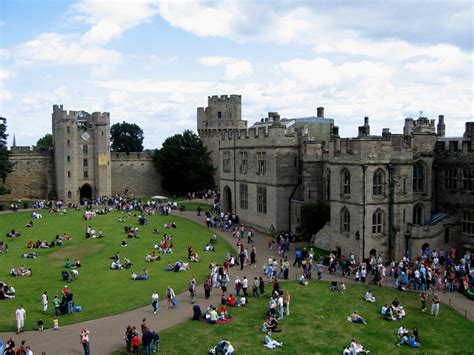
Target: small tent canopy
{"points": [[159, 197]]}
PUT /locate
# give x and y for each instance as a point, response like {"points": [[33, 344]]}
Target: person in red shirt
{"points": [[136, 344], [231, 301]]}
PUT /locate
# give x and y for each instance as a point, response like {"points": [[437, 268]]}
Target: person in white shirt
{"points": [[154, 301], [44, 301], [245, 285], [20, 316], [280, 307], [369, 297]]}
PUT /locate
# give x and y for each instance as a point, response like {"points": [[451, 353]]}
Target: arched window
{"points": [[345, 221], [346, 182], [418, 214], [378, 182], [419, 177], [378, 222], [327, 194], [69, 194]]}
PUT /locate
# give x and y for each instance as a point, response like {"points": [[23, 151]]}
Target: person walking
{"points": [[56, 304], [154, 301], [207, 287], [85, 341], [20, 316], [170, 296], [435, 305], [192, 289], [253, 256], [423, 301], [44, 302]]}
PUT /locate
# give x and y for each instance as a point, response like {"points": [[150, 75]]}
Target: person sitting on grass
{"points": [[67, 265], [209, 248], [342, 288], [303, 280], [272, 324], [126, 263], [231, 301], [334, 287], [412, 342], [213, 316], [143, 276], [356, 318], [152, 257], [271, 343], [29, 255], [170, 267], [195, 258], [21, 271], [357, 348], [369, 297], [115, 265]]}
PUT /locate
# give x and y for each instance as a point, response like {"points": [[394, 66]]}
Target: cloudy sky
{"points": [[153, 63]]}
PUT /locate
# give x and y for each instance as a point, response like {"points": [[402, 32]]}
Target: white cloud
{"points": [[156, 86], [5, 75], [64, 49], [110, 18], [217, 19], [234, 68]]}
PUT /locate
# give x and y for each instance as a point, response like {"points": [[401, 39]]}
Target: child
{"points": [[55, 323], [40, 324]]}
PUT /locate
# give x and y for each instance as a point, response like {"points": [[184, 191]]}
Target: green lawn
{"points": [[318, 325], [99, 290]]}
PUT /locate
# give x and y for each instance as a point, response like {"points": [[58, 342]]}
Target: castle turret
{"points": [[222, 112]]}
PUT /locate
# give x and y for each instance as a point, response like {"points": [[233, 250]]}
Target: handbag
{"points": [[174, 301]]}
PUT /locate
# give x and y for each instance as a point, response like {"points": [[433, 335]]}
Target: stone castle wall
{"points": [[136, 173], [33, 174]]}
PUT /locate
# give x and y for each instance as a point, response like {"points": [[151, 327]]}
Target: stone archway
{"points": [[227, 199], [86, 192]]}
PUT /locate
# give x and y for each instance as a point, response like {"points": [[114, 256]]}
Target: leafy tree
{"points": [[6, 166], [126, 137], [45, 142], [184, 164]]}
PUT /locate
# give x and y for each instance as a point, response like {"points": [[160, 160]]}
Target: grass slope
{"points": [[100, 291], [318, 325]]}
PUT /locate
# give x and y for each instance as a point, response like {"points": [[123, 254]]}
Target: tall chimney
{"points": [[441, 128], [320, 112]]}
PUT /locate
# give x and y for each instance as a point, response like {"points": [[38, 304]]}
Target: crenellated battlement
{"points": [[215, 99]]}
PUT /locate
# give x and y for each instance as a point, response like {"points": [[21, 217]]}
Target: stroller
{"points": [[197, 314], [224, 347]]}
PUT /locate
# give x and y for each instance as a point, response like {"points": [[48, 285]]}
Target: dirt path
{"points": [[107, 333]]}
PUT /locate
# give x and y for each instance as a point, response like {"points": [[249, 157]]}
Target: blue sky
{"points": [[154, 62]]}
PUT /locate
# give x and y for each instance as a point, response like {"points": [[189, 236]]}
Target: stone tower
{"points": [[81, 154], [222, 112]]}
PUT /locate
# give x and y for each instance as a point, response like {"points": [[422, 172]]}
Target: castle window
{"points": [[69, 194], [67, 129], [467, 180], [261, 163], [418, 214], [226, 162], [68, 158], [68, 143], [243, 162], [346, 182], [262, 199], [85, 150], [378, 222], [219, 114], [68, 174], [468, 222], [84, 162], [450, 179], [345, 221], [419, 177], [378, 182], [296, 162], [327, 181], [244, 196], [86, 174]]}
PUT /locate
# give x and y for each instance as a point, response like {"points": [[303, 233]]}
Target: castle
{"points": [[81, 165], [390, 194]]}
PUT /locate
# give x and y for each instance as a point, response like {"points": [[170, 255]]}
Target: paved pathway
{"points": [[107, 333]]}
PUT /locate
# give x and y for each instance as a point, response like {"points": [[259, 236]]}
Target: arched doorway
{"points": [[227, 199], [86, 192]]}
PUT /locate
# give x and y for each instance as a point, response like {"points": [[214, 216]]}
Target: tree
{"points": [[126, 137], [6, 166], [184, 164], [45, 142]]}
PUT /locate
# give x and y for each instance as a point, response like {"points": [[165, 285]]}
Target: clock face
{"points": [[85, 136]]}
